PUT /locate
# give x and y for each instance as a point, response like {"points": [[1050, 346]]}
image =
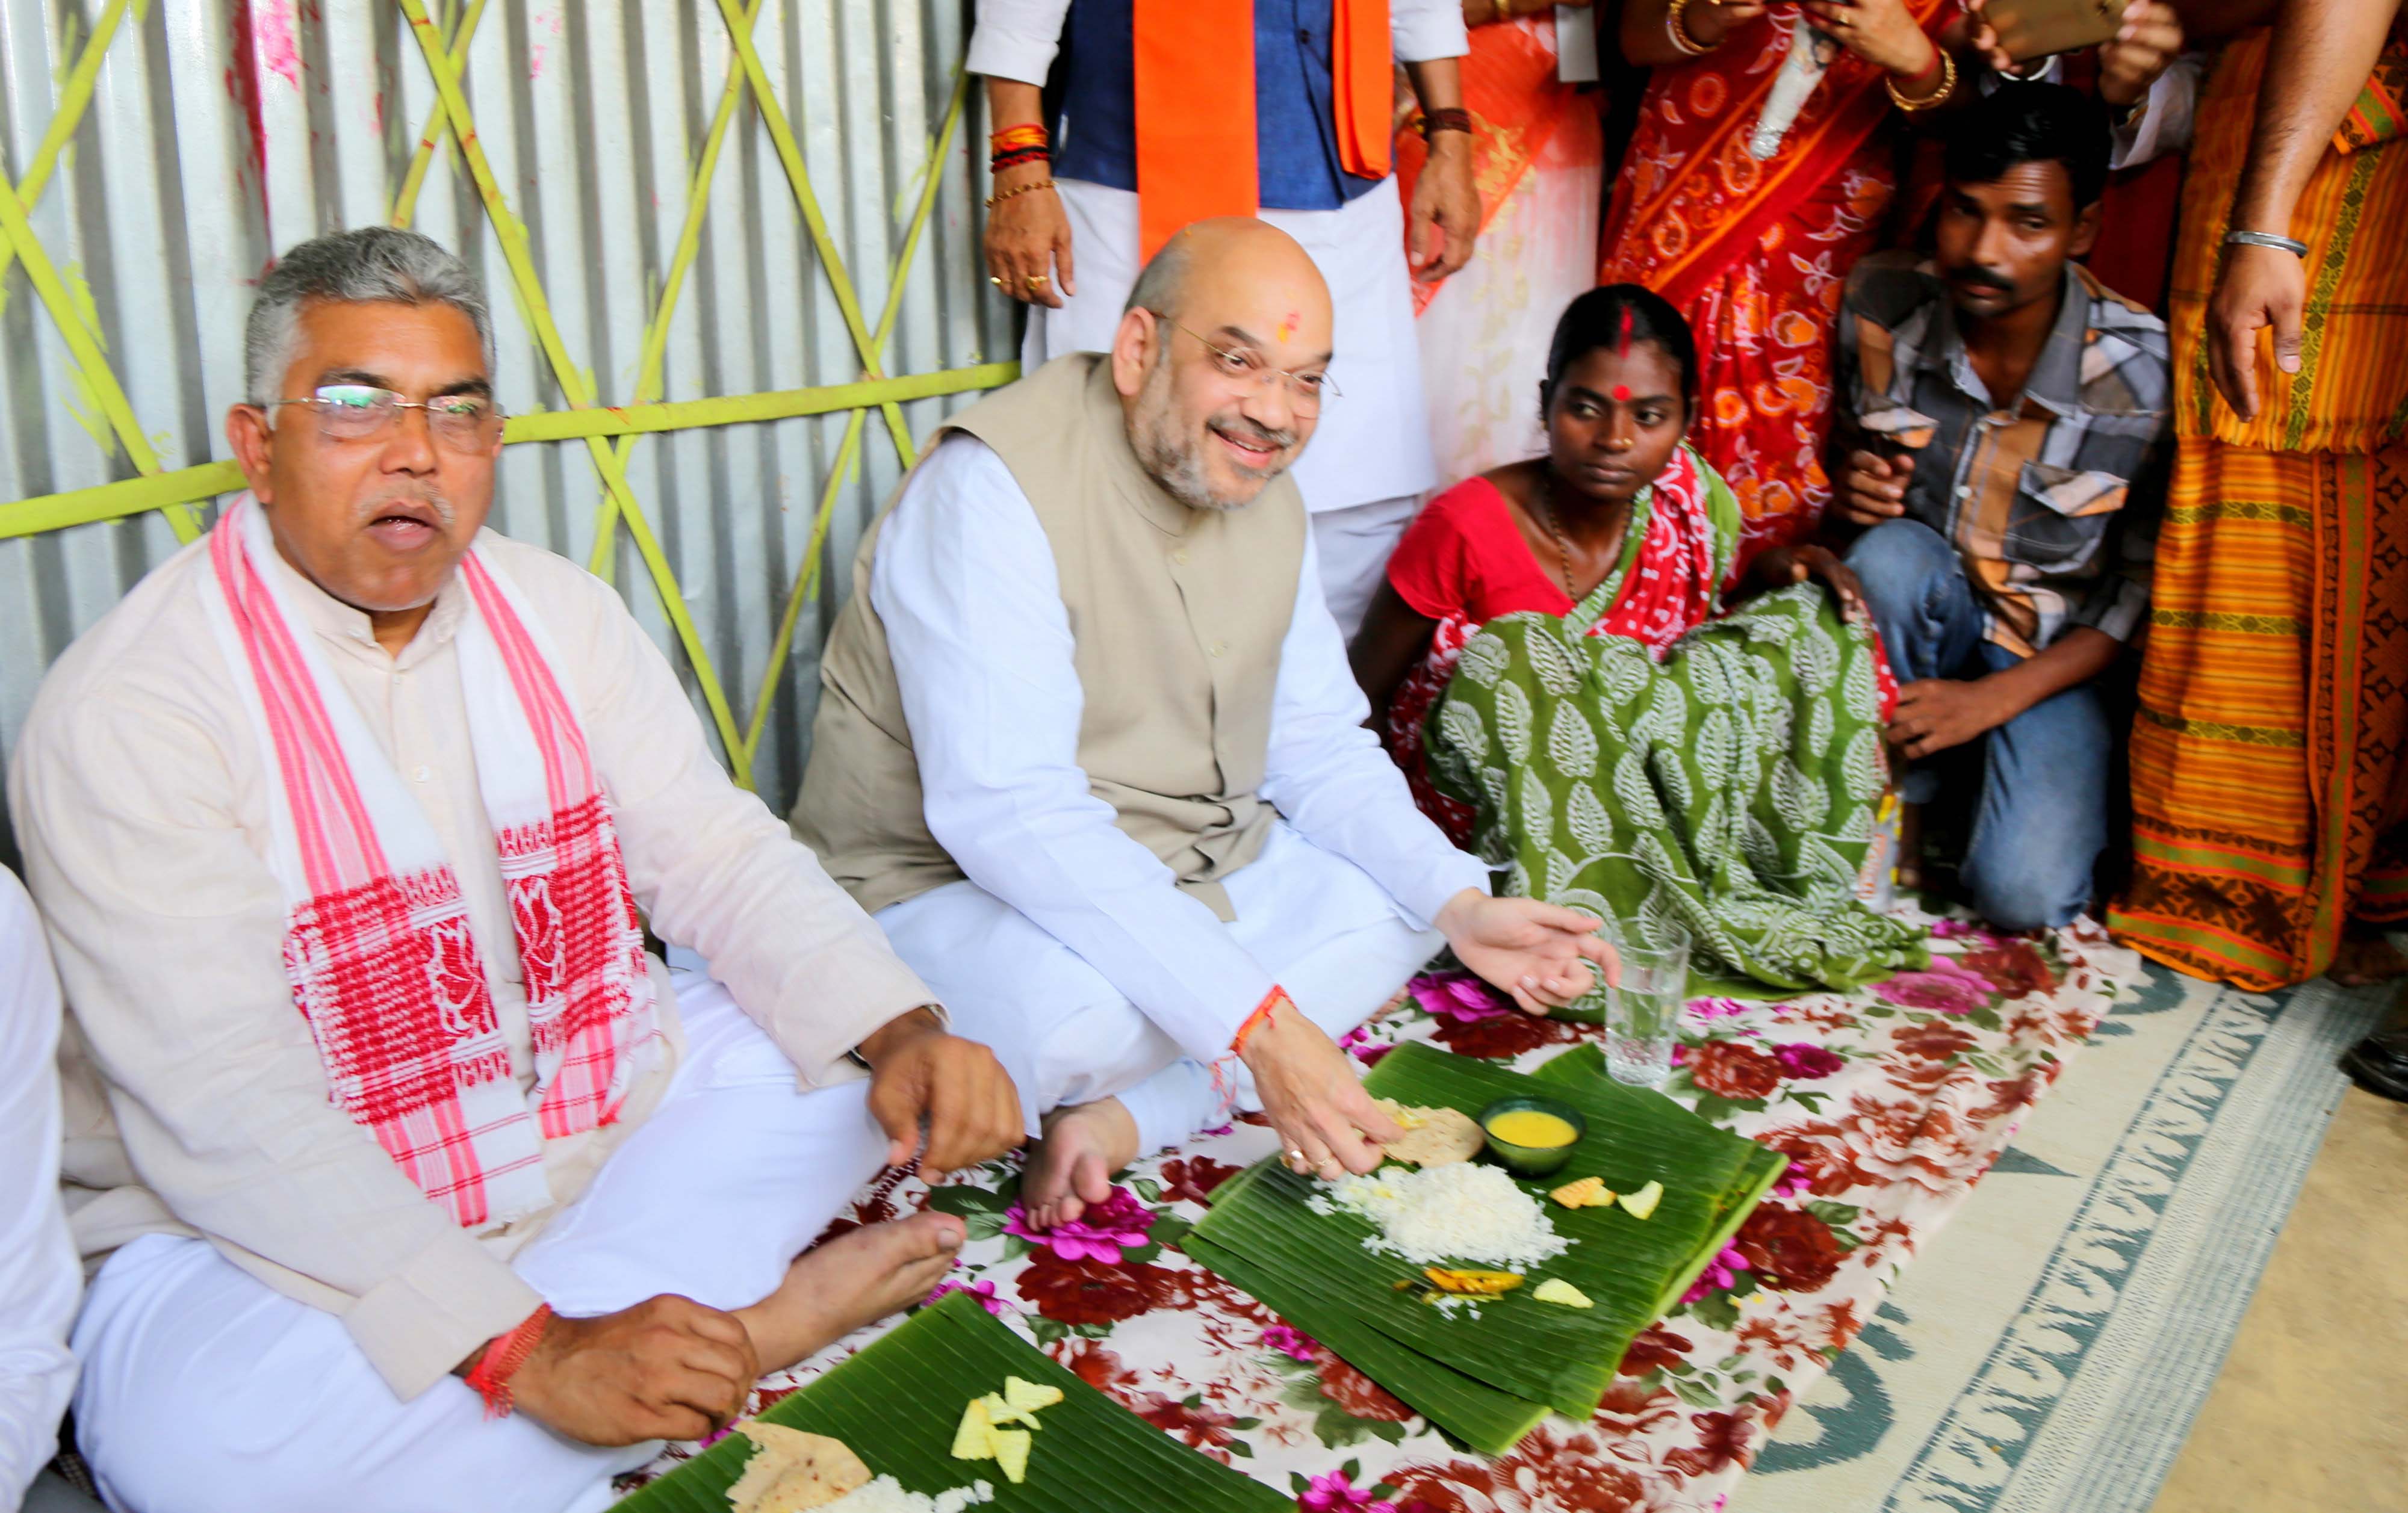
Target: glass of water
{"points": [[1643, 1011]]}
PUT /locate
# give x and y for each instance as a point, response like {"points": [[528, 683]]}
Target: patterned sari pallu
{"points": [[377, 945], [1729, 787]]}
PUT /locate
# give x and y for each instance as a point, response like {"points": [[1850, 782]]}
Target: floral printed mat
{"points": [[1891, 1101]]}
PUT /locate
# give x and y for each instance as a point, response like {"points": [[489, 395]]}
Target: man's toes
{"points": [[1092, 1179]]}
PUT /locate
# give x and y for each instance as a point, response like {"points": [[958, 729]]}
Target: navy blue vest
{"points": [[1296, 133]]}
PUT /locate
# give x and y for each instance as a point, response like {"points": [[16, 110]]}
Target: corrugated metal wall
{"points": [[224, 131]]}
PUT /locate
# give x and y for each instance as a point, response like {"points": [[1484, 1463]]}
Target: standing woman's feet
{"points": [[2366, 955], [1073, 1165]]}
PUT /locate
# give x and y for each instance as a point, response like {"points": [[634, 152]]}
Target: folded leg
{"points": [[204, 1389]]}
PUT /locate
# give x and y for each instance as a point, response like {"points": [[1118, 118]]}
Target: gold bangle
{"points": [[1947, 85], [1024, 189], [1689, 47]]}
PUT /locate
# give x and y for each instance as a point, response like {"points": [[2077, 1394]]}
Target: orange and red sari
{"points": [[1757, 254]]}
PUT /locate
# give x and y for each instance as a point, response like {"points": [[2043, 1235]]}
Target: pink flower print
{"points": [[1721, 1275], [983, 1292], [1357, 1042], [1946, 988], [1962, 930], [1100, 1233], [1805, 1060], [1707, 1010], [1292, 1342], [1796, 1180], [1334, 1491], [1458, 996]]}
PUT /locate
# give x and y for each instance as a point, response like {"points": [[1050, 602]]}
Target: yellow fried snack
{"points": [[974, 1440], [1011, 1452], [1028, 1395], [1555, 1290], [1468, 1283], [1589, 1192]]}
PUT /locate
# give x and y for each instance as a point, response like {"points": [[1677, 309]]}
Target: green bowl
{"points": [[1532, 1160]]}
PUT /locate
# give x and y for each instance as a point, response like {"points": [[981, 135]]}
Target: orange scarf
{"points": [[1195, 86]]}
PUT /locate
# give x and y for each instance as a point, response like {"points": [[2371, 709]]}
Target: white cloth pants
{"points": [[1372, 447], [1318, 922], [205, 1390]]}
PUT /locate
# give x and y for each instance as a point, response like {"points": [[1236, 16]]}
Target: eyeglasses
{"points": [[1305, 390], [359, 412]]}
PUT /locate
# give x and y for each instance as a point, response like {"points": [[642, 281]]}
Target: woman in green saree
{"points": [[1571, 693]]}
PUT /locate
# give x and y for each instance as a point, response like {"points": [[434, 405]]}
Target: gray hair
{"points": [[1162, 281], [371, 263]]}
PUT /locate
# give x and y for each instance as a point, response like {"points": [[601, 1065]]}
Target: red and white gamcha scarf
{"points": [[376, 942]]}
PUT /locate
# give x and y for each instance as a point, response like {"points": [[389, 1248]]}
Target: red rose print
{"points": [[1734, 1069], [1358, 1394], [1504, 1036], [1791, 1251], [1192, 1178], [1933, 1042], [1656, 1345], [2014, 968], [1722, 1439], [1092, 1292]]}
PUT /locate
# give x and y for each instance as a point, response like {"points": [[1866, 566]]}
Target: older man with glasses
{"points": [[385, 1120], [1090, 750]]}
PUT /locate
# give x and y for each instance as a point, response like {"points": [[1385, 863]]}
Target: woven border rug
{"points": [[2048, 1352]]}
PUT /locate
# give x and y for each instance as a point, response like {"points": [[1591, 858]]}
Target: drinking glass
{"points": [[1644, 1009]]}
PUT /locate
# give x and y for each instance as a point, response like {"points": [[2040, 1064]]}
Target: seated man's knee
{"points": [[2032, 886], [1896, 560]]}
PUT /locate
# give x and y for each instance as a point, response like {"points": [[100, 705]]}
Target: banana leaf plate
{"points": [[897, 1403], [1487, 1380]]}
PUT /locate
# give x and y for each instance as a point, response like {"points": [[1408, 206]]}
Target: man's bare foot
{"points": [[851, 1282], [1072, 1166], [2366, 955]]}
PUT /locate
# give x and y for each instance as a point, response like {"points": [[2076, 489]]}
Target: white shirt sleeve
{"points": [[40, 1278], [1327, 775], [963, 582], [1017, 39], [2164, 121], [1423, 30]]}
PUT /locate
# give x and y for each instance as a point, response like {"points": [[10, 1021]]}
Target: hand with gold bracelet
{"points": [[1659, 32], [1027, 240], [1884, 33]]}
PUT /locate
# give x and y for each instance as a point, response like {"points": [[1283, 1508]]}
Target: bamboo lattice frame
{"points": [[610, 433]]}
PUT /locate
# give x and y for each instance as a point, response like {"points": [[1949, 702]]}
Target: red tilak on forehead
{"points": [[1621, 348], [1288, 324], [1622, 394]]}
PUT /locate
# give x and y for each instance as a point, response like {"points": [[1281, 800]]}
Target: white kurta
{"points": [[40, 1278], [1069, 948], [205, 1390]]}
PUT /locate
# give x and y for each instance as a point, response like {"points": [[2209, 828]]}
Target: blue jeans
{"points": [[2042, 821]]}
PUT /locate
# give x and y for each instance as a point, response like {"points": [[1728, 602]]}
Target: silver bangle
{"points": [[2266, 238]]}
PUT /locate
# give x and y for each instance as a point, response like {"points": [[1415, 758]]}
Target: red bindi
{"points": [[1622, 394]]}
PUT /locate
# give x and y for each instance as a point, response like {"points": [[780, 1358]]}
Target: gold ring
{"points": [[995, 280], [1844, 20], [1038, 281]]}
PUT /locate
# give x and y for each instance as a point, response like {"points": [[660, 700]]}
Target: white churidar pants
{"points": [[1369, 458], [205, 1390], [1317, 921]]}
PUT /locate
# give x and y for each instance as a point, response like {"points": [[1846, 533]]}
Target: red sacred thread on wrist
{"points": [[1013, 138], [491, 1375], [1263, 1011]]}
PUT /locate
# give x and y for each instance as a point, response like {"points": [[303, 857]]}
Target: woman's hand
{"points": [[1878, 31], [1543, 956], [1028, 239], [1710, 22], [1784, 566]]}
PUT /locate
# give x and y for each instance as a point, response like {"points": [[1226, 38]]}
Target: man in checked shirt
{"points": [[2001, 422]]}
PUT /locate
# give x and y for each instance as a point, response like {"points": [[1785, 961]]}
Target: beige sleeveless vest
{"points": [[1178, 615]]}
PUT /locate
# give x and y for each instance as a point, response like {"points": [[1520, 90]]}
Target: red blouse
{"points": [[1463, 555]]}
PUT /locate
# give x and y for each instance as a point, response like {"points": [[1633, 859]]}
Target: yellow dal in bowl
{"points": [[1531, 1127]]}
